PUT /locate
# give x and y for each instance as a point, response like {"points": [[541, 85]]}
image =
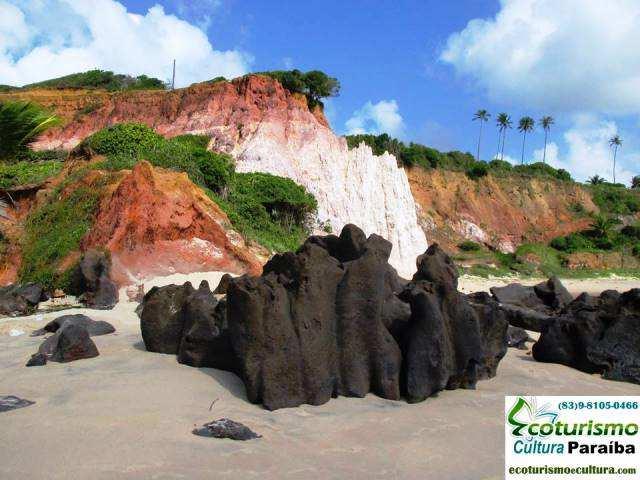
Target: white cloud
{"points": [[381, 117], [588, 152], [42, 39], [569, 55]]}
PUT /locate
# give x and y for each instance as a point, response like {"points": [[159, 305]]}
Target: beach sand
{"points": [[129, 414]]}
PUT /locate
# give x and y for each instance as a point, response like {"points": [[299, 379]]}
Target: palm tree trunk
{"points": [[615, 152], [524, 137], [504, 138], [499, 140], [479, 140], [544, 155]]}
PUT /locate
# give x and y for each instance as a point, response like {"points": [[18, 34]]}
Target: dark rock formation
{"points": [[221, 289], [20, 299], [333, 319], [93, 327], [596, 335], [11, 402], [553, 294], [69, 343], [161, 319], [532, 308], [518, 338], [225, 428], [91, 280], [205, 338]]}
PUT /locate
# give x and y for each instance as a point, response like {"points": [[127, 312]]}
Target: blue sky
{"points": [[418, 69]]}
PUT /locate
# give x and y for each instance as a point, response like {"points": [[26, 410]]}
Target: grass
{"points": [[25, 173], [54, 231]]}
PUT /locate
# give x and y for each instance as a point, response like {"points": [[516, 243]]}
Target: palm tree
{"points": [[483, 116], [596, 180], [503, 121], [615, 142], [525, 125], [20, 123], [546, 123]]}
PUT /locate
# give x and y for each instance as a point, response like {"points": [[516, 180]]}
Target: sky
{"points": [[415, 69]]}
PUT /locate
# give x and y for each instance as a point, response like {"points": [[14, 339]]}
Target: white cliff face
{"points": [[351, 186]]}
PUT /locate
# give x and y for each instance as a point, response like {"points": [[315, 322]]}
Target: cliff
{"points": [[501, 212], [267, 129]]}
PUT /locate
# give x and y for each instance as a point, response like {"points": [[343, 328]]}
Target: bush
{"points": [[500, 165], [613, 199], [478, 170], [315, 84], [103, 79], [469, 246], [636, 250], [124, 138], [571, 243], [26, 173]]}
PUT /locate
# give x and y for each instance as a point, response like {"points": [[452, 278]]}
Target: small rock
{"points": [[225, 428], [14, 332], [10, 402]]}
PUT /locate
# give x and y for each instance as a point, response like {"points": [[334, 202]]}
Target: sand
{"points": [[129, 414]]}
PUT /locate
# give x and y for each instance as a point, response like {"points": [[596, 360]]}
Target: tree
{"points": [[504, 122], [635, 182], [21, 123], [596, 180], [525, 125], [482, 116], [615, 142], [602, 226], [546, 123], [320, 85]]}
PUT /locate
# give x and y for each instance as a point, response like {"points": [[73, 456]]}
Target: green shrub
{"points": [[52, 232], [617, 200], [478, 170], [102, 79], [315, 84], [124, 138], [26, 173], [631, 231], [571, 243], [636, 250], [469, 246], [500, 166], [217, 169]]}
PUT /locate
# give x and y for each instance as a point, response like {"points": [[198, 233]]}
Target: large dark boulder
{"points": [[333, 318], [91, 280], [449, 342], [596, 334], [205, 337], [20, 299], [93, 327], [161, 319], [553, 294], [532, 308], [69, 343], [311, 327]]}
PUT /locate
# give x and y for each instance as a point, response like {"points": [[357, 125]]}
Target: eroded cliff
{"points": [[266, 129]]}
